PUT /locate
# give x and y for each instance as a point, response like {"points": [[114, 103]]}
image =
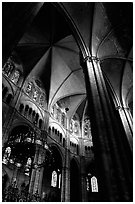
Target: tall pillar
{"points": [[34, 170], [83, 180], [65, 193], [39, 173], [65, 189], [127, 123], [108, 137]]}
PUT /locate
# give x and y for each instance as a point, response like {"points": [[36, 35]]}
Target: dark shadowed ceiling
{"points": [[49, 51]]}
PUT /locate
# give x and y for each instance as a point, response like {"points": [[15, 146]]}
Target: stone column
{"points": [[65, 192], [127, 123], [83, 180], [39, 172], [34, 170], [65, 188], [108, 137]]}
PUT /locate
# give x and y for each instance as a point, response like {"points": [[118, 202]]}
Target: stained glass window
{"points": [[15, 76], [94, 184], [87, 129], [71, 126], [42, 100], [54, 179], [29, 87], [35, 95], [76, 127], [87, 184], [63, 119], [7, 68], [6, 155]]}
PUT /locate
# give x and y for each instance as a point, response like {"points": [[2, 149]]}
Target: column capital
{"points": [[91, 58], [121, 108]]}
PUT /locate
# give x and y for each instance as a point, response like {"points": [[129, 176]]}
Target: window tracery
{"points": [[74, 126], [87, 129], [15, 76], [8, 68], [36, 93], [54, 179], [42, 100], [11, 71], [59, 114], [63, 119], [29, 88], [94, 184], [7, 154]]}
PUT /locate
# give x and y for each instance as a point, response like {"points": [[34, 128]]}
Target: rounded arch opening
{"points": [[52, 176], [18, 155]]}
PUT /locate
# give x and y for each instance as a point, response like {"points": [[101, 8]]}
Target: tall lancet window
{"points": [[54, 179], [94, 184]]}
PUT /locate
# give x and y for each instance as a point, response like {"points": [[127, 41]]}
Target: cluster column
{"points": [[108, 137], [65, 194]]}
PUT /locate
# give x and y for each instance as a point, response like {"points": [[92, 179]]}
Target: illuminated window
{"points": [[54, 179], [59, 180], [15, 76], [71, 126], [87, 184], [63, 119], [7, 68], [94, 184], [6, 155], [35, 95], [28, 166], [29, 88], [42, 100], [76, 127]]}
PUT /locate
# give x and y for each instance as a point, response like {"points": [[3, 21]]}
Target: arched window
{"points": [[87, 184], [26, 108], [33, 114], [49, 129], [21, 107], [63, 142], [37, 116], [9, 98], [6, 156], [28, 166], [35, 95], [7, 68], [29, 88], [76, 127], [40, 123], [94, 184], [42, 100], [86, 148], [30, 111], [63, 119], [60, 137], [77, 149], [56, 131], [58, 115], [71, 126], [54, 179], [15, 76]]}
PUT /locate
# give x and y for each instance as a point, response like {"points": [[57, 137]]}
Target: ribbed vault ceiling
{"points": [[49, 51]]}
